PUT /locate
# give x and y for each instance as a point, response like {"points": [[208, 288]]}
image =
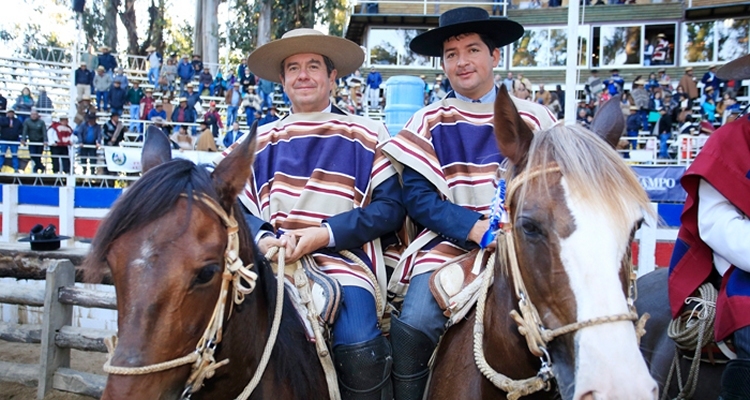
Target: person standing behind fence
{"points": [[112, 131], [233, 100], [154, 62], [84, 107], [35, 131], [59, 140], [10, 133], [185, 72], [90, 138], [44, 105], [102, 83], [24, 103], [107, 60], [118, 96], [251, 102], [84, 80], [373, 88], [169, 72], [135, 94]]}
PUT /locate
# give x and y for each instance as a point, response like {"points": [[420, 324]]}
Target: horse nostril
{"points": [[592, 395], [655, 392]]}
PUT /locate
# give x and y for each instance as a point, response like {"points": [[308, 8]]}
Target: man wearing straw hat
{"points": [[154, 61], [713, 237], [59, 137], [320, 185], [444, 146]]}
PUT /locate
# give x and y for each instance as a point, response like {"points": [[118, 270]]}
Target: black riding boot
{"points": [[412, 350], [364, 370], [735, 381]]}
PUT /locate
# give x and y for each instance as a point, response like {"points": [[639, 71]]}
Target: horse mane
{"points": [[592, 170], [153, 196]]}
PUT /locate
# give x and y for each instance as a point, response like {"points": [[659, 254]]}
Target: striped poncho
{"points": [[312, 166], [452, 144]]}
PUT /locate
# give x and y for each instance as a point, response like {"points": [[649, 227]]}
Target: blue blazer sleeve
{"points": [[425, 205], [256, 224], [383, 215]]}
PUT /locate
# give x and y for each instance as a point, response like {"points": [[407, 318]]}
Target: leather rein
{"points": [[242, 280], [529, 322]]}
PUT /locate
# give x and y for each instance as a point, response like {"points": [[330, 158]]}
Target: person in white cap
{"points": [[84, 79], [321, 186], [59, 138]]}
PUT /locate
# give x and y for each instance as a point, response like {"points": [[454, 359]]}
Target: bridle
{"points": [[529, 322], [242, 280]]}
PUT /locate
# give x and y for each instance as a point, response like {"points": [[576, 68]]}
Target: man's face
{"points": [[468, 63], [236, 126], [64, 121], [306, 82], [34, 115]]}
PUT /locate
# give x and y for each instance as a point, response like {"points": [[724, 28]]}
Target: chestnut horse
{"points": [[165, 247], [572, 217]]}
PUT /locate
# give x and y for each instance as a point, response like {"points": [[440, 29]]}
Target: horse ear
{"points": [[156, 149], [609, 123], [512, 134], [232, 172]]}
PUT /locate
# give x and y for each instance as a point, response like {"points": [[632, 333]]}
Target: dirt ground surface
{"points": [[29, 354]]}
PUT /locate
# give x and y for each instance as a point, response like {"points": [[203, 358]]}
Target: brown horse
{"points": [[165, 247], [572, 220], [658, 349]]}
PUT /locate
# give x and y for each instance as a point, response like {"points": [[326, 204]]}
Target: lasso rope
{"points": [[692, 330]]}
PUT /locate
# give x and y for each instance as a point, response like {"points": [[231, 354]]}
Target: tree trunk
{"points": [[211, 30], [264, 24], [129, 21], [155, 28], [198, 32], [110, 24]]}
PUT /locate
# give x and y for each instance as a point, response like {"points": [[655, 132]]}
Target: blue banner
{"points": [[662, 183]]}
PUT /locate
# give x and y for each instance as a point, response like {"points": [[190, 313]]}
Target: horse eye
{"points": [[206, 274], [531, 228]]}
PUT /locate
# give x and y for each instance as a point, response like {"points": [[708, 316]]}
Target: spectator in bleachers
{"points": [[192, 96], [519, 90], [242, 67], [614, 84], [265, 90], [374, 79], [554, 105], [185, 72], [157, 111], [166, 99], [44, 104], [135, 94], [161, 84], [182, 139], [169, 73], [661, 50], [437, 93], [24, 104], [233, 100], [197, 65], [656, 102], [247, 81], [35, 131], [230, 79], [711, 80], [727, 104], [107, 60], [3, 105], [688, 85], [91, 60], [345, 103], [118, 96], [147, 103], [59, 141], [593, 84], [120, 77], [206, 80], [206, 141], [269, 115], [583, 117], [526, 82], [543, 96], [102, 84], [10, 134], [220, 85], [251, 102], [665, 131], [154, 61], [112, 132], [633, 125], [508, 82], [183, 114], [84, 107], [213, 119], [232, 135], [648, 52], [641, 100], [652, 85], [664, 80], [84, 80], [90, 138], [708, 105]]}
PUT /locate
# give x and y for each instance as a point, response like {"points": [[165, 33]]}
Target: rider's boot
{"points": [[412, 350], [735, 381], [364, 370]]}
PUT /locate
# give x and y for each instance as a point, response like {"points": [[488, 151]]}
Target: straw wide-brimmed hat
{"points": [[182, 99], [265, 62], [640, 82], [633, 108], [151, 48], [104, 48], [735, 70], [688, 69], [454, 22]]}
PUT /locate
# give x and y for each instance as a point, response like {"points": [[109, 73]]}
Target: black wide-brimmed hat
{"points": [[466, 20], [735, 70], [43, 239]]}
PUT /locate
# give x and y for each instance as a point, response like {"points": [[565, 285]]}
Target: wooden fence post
{"points": [[56, 315]]}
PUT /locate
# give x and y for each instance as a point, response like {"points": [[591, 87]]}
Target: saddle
{"points": [[307, 284], [455, 285]]}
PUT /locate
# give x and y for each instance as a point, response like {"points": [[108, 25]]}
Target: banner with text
{"points": [[662, 183], [128, 159]]}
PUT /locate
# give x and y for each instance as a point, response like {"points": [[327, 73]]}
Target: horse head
{"points": [[574, 206], [165, 247]]}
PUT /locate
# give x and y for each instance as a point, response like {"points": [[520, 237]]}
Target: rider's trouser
{"points": [[735, 381]]}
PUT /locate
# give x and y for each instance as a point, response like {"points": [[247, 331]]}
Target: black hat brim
{"points": [[502, 31], [55, 239]]}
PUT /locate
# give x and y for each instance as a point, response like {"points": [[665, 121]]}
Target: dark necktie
{"points": [[476, 101]]}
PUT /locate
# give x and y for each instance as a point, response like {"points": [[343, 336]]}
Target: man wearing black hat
{"points": [[448, 157], [712, 240], [10, 131], [90, 138]]}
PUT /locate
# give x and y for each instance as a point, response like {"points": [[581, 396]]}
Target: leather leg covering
{"points": [[364, 370], [412, 350], [735, 381]]}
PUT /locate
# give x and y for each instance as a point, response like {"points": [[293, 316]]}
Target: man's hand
{"points": [[308, 240], [478, 230], [286, 241]]}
